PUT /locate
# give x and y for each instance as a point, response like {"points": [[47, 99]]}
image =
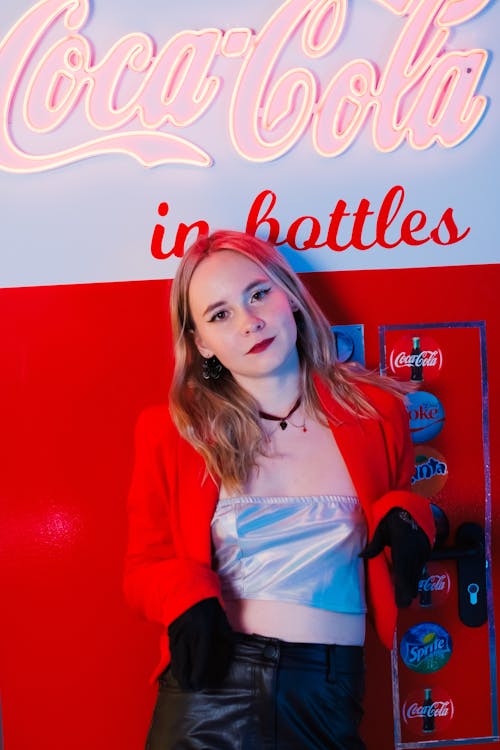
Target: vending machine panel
{"points": [[444, 656]]}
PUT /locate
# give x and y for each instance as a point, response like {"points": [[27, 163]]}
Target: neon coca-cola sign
{"points": [[139, 97]]}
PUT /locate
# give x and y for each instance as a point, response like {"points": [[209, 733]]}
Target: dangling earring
{"points": [[211, 368]]}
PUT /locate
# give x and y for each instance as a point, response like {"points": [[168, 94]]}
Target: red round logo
{"points": [[427, 712], [433, 587], [416, 357]]}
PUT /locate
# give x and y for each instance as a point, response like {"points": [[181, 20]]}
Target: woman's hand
{"points": [[200, 645], [410, 550]]}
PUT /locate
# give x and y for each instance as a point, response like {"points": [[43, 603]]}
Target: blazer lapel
{"points": [[357, 440]]}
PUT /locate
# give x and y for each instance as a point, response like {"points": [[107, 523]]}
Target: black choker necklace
{"points": [[282, 420]]}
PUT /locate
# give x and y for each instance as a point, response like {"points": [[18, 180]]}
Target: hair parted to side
{"points": [[218, 417]]}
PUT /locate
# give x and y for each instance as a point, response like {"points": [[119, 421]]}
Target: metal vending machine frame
{"points": [[452, 623]]}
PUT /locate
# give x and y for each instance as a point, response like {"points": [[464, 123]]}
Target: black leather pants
{"points": [[276, 696]]}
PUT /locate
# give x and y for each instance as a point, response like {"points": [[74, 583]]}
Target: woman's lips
{"points": [[261, 346]]}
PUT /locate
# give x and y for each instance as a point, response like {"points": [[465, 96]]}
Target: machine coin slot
{"points": [[473, 589], [472, 605]]}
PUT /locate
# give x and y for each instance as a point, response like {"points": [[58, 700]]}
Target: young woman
{"points": [[253, 498]]}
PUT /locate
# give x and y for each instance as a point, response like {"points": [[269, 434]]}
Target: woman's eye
{"points": [[260, 294], [220, 315]]}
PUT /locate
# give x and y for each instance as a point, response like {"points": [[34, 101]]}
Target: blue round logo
{"points": [[426, 647], [426, 416]]}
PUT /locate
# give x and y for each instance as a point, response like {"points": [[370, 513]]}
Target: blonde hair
{"points": [[218, 417]]}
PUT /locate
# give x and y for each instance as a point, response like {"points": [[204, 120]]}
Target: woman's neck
{"points": [[275, 394]]}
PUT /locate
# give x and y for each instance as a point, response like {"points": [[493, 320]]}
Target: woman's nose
{"points": [[251, 323]]}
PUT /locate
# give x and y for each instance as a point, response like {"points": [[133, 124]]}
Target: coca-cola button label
{"points": [[431, 471], [426, 647], [416, 357], [426, 415], [433, 587], [427, 712]]}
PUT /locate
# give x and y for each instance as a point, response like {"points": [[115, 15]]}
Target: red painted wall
{"points": [[79, 363]]}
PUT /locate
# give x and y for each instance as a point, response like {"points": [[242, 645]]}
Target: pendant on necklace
{"points": [[282, 421]]}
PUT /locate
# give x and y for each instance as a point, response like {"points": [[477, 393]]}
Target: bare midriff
{"points": [[296, 623]]}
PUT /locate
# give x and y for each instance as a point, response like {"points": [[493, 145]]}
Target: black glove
{"points": [[200, 645], [410, 549]]}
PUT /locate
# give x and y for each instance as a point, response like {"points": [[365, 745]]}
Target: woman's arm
{"points": [[402, 521], [158, 582], [401, 458]]}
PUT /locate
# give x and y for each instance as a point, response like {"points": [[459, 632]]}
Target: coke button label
{"points": [[426, 647], [433, 587], [416, 357], [427, 712], [426, 415], [431, 471]]}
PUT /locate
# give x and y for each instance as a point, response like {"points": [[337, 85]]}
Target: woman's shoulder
{"points": [[387, 402], [391, 409], [157, 437], [155, 423]]}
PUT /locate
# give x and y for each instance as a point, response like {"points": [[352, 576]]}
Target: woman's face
{"points": [[242, 317]]}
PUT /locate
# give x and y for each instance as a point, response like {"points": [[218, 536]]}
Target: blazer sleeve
{"points": [[158, 581], [401, 460]]}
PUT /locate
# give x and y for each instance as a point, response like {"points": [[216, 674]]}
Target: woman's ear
{"points": [[294, 306], [204, 351]]}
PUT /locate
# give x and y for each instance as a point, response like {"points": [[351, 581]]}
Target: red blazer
{"points": [[172, 500]]}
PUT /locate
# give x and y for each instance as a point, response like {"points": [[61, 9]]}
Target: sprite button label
{"points": [[426, 647]]}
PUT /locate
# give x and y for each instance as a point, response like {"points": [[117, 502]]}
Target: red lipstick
{"points": [[261, 346]]}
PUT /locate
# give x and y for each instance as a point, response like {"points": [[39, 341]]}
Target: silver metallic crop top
{"points": [[295, 549]]}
